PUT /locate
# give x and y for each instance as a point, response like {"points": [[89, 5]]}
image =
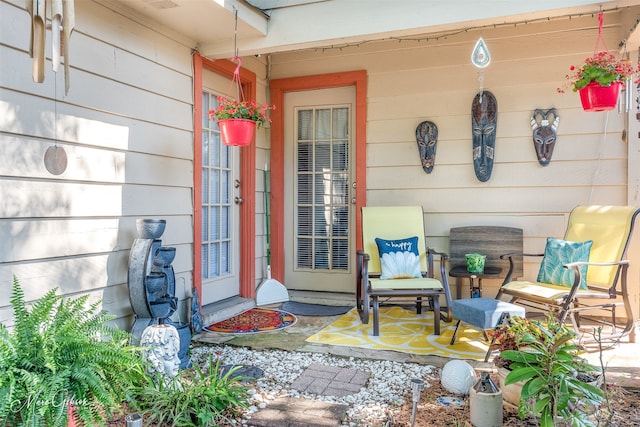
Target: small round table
{"points": [[475, 288]]}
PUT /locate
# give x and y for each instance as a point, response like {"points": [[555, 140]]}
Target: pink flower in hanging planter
{"points": [[603, 68], [232, 109]]}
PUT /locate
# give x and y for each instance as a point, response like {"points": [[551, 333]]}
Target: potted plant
{"points": [[237, 120], [61, 363], [598, 80], [547, 362], [508, 337]]}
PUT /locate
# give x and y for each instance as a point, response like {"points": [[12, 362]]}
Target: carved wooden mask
{"points": [[427, 139], [544, 125], [484, 119]]}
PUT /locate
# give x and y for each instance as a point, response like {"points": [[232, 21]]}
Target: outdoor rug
{"points": [[405, 331], [254, 321], [304, 309]]}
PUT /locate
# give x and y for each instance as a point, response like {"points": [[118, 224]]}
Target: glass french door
{"points": [[319, 154], [220, 251]]}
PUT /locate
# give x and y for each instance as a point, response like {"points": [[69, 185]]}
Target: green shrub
{"points": [[194, 398], [61, 352]]}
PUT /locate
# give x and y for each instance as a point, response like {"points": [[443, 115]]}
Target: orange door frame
{"points": [[278, 89]]}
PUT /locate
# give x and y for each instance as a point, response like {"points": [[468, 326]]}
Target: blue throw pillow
{"points": [[399, 259], [559, 252]]}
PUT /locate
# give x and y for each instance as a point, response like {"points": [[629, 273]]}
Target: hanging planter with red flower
{"points": [[600, 77], [237, 120]]}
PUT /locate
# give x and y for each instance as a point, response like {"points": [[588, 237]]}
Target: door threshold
{"points": [[321, 297], [225, 309]]}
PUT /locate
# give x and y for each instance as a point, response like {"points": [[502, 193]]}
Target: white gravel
{"points": [[389, 382]]}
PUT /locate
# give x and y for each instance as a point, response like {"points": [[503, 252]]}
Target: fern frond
{"points": [[62, 351]]}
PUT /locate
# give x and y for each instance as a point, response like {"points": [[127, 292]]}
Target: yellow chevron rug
{"points": [[405, 331]]}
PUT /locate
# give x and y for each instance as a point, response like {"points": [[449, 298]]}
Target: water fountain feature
{"points": [[152, 284]]}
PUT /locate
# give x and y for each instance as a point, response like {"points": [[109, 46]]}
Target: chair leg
{"points": [[436, 315], [419, 305], [491, 344], [376, 324], [364, 308], [455, 333], [505, 319]]}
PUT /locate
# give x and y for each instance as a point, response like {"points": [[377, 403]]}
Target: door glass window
{"points": [[216, 196], [322, 184]]}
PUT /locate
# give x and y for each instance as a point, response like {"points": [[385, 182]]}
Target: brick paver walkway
{"points": [[299, 412]]}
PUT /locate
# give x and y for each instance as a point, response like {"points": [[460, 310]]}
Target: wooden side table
{"points": [[475, 279]]}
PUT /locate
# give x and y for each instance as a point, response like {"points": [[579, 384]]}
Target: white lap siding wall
{"points": [[126, 126]]}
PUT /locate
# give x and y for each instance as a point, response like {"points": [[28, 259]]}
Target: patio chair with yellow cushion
{"points": [[396, 263], [584, 271]]}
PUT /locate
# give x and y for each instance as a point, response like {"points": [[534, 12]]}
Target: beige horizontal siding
{"points": [[126, 126], [410, 81]]}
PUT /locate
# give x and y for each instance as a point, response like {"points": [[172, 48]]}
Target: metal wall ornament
{"points": [[427, 139], [484, 120], [480, 56], [545, 126]]}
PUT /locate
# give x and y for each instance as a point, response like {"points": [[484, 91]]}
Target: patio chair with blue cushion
{"points": [[584, 271], [396, 263]]}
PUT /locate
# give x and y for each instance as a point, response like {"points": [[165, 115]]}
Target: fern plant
{"points": [[63, 352]]}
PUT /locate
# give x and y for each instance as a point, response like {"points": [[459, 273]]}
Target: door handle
{"points": [[238, 200]]}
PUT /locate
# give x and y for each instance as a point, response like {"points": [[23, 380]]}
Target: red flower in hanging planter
{"points": [[232, 109], [603, 68]]}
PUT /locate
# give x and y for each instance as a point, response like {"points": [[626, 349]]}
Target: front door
{"points": [[319, 193], [220, 251]]}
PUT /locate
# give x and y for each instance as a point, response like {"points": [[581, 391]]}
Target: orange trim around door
{"points": [[278, 89], [247, 178]]}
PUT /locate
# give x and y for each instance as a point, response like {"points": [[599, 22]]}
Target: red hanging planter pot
{"points": [[72, 417], [236, 132], [599, 98]]}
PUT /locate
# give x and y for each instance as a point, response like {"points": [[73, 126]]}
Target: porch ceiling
{"points": [[268, 26]]}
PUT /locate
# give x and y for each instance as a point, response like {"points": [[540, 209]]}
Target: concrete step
{"points": [[324, 298], [225, 309]]}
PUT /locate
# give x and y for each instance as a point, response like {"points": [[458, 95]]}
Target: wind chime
{"points": [[62, 24], [481, 58]]}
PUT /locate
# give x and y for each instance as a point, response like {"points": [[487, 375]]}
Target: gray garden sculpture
{"points": [[162, 344]]}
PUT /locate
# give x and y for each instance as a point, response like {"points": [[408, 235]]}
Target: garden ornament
{"points": [[427, 138], [544, 133], [162, 344], [484, 117], [457, 376]]}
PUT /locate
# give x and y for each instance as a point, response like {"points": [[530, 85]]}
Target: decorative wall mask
{"points": [[484, 118], [427, 139], [544, 133]]}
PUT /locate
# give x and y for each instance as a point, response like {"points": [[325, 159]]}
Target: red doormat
{"points": [[254, 321]]}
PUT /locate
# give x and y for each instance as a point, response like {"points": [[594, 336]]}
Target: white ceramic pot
{"points": [[510, 393]]}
